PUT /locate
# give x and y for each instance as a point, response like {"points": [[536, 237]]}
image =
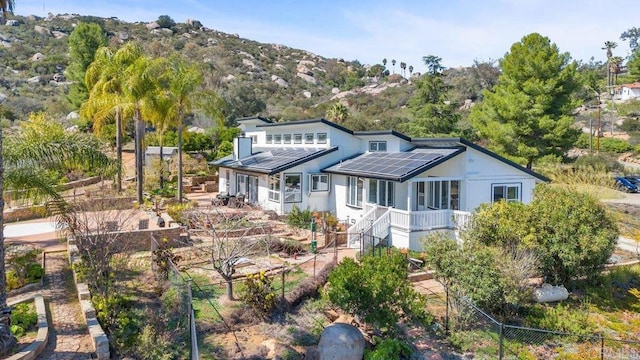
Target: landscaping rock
{"points": [[341, 342], [42, 30]]}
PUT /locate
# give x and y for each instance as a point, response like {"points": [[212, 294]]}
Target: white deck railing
{"points": [[429, 220], [365, 222]]}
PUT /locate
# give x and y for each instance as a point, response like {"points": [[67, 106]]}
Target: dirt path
{"points": [[68, 334]]}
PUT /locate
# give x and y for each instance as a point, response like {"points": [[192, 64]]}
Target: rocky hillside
{"points": [[270, 79]]}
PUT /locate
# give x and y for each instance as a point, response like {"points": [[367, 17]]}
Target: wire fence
{"points": [[476, 331]]}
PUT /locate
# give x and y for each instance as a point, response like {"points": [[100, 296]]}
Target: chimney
{"points": [[242, 148]]}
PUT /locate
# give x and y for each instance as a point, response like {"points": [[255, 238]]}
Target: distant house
{"points": [[628, 91], [153, 153], [387, 185]]}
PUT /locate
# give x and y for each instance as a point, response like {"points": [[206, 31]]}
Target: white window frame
{"points": [[505, 192], [274, 187], [269, 139], [286, 139], [277, 139], [355, 187], [440, 195], [322, 138], [374, 146], [316, 179], [254, 139], [292, 194], [382, 192], [297, 138], [308, 138]]}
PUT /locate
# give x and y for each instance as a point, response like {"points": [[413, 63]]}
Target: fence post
{"points": [[500, 349], [446, 312], [283, 271], [601, 347], [192, 324]]}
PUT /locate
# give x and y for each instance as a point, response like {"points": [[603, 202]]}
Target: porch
{"points": [[387, 223]]}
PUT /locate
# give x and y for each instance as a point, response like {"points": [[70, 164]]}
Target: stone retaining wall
{"points": [[98, 337], [42, 337], [79, 183]]}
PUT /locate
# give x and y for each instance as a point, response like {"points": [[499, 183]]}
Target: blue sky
{"points": [[458, 31]]}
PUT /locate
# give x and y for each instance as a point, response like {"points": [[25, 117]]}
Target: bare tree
{"points": [[97, 230], [233, 237]]}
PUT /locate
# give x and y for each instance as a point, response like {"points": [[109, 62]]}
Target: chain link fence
{"points": [[473, 330]]}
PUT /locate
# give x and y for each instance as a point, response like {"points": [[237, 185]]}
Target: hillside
{"points": [[254, 78]]}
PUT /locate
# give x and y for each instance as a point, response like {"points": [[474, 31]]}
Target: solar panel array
{"points": [[385, 164], [275, 158]]}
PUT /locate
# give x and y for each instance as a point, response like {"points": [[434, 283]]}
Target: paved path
{"points": [[68, 337]]}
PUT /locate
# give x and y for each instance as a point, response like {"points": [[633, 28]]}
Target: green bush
{"points": [[598, 162], [614, 145], [565, 318], [24, 269], [23, 318], [300, 218], [389, 349]]}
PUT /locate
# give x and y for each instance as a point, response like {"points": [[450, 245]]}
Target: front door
{"points": [[252, 189]]}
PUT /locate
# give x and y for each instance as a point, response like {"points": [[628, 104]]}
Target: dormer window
{"points": [[308, 138], [287, 138], [322, 138], [269, 139], [377, 146], [277, 139]]}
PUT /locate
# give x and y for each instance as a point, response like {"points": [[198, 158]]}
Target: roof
{"points": [[635, 85], [248, 118], [272, 161], [394, 166], [382, 132], [455, 142], [166, 150], [309, 121]]}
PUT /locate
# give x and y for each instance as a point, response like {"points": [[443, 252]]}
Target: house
{"points": [[152, 154], [385, 184], [628, 91]]}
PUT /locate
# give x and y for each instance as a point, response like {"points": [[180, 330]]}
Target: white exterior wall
{"points": [[629, 93], [394, 143]]}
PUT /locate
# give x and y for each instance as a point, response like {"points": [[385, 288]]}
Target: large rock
{"points": [[3, 97], [194, 23], [37, 57], [341, 342], [307, 78], [42, 30], [152, 25], [12, 22], [59, 34]]}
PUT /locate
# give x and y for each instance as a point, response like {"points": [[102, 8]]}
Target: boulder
{"points": [[123, 35], [12, 22], [57, 77], [73, 115], [279, 81], [306, 94], [34, 80], [42, 30], [152, 25], [3, 97], [58, 34], [194, 23], [308, 63], [341, 342], [33, 18], [335, 90], [211, 41], [37, 57], [5, 43], [228, 78], [250, 64], [303, 69], [307, 78]]}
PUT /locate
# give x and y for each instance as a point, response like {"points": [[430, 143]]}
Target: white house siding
{"points": [[310, 200], [394, 143], [630, 93]]}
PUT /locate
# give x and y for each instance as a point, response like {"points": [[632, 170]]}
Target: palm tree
{"points": [[338, 112], [7, 7], [403, 66], [614, 68], [609, 45], [384, 62], [393, 63], [106, 101], [410, 70]]}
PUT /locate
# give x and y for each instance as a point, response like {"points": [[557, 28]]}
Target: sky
{"points": [[458, 31]]}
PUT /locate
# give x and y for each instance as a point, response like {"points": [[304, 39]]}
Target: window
{"points": [[322, 138], [269, 139], [274, 187], [508, 192], [277, 139], [241, 184], [308, 138], [292, 188], [377, 146], [297, 138], [440, 195], [254, 139], [287, 138], [354, 191], [319, 182], [381, 192]]}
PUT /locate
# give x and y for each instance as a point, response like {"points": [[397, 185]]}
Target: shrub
{"points": [[389, 349], [259, 294], [300, 218], [614, 145], [378, 291], [23, 318], [598, 162], [560, 317], [24, 269]]}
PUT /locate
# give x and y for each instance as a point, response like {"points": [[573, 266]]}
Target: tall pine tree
{"points": [[527, 115], [84, 41]]}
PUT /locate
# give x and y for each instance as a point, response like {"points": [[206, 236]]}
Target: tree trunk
{"points": [[180, 157], [161, 164], [6, 338], [230, 288], [119, 150], [139, 155]]}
